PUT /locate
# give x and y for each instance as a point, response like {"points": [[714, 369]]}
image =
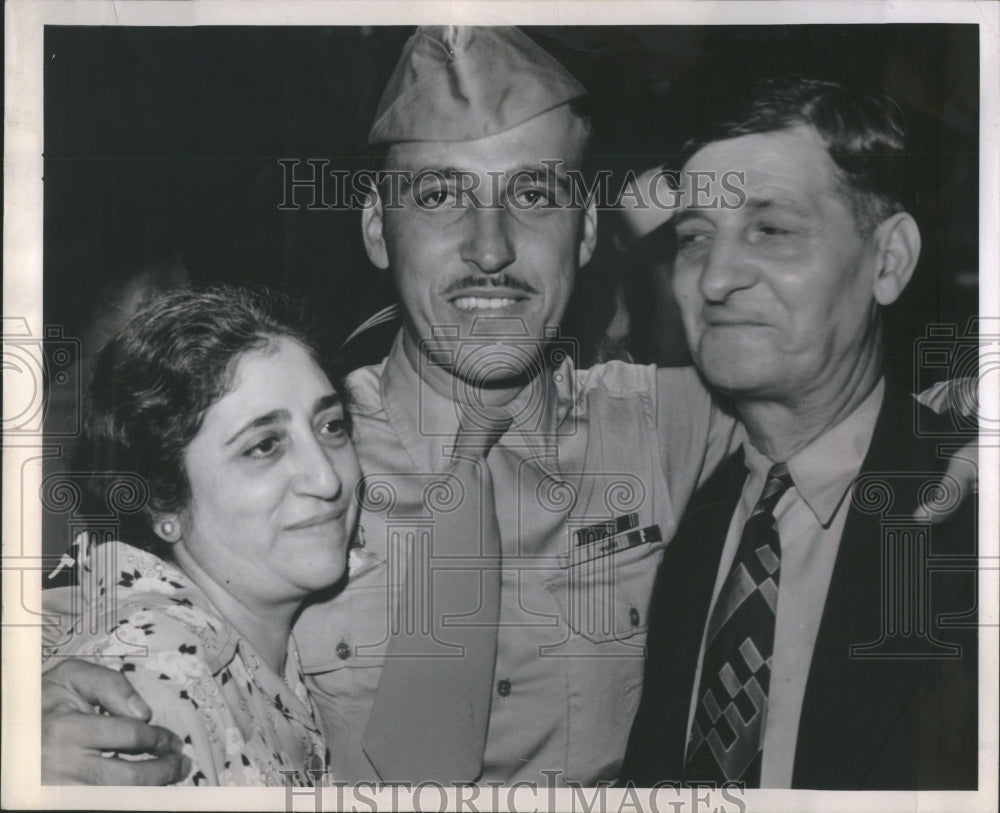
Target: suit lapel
{"points": [[838, 742], [680, 606]]}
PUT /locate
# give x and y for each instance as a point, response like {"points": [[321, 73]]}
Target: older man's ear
{"points": [[897, 243]]}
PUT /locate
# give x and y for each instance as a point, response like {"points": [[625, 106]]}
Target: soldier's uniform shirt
{"points": [[587, 446]]}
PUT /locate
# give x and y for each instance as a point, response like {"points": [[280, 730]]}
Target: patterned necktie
{"points": [[727, 737], [432, 705]]}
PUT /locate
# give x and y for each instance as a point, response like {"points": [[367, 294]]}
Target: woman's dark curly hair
{"points": [[152, 383]]}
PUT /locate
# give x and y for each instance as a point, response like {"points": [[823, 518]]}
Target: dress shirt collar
{"points": [[426, 420], [825, 469]]}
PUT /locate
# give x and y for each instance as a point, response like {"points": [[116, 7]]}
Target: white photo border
{"points": [[22, 290]]}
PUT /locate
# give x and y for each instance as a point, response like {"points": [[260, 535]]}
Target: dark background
{"points": [[161, 151]]}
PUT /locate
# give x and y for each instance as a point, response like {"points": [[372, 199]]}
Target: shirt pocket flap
{"points": [[350, 630], [606, 597]]}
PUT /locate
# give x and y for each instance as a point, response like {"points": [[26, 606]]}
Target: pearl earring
{"points": [[167, 528]]}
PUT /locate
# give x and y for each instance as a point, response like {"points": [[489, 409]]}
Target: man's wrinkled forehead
{"points": [[778, 168]]}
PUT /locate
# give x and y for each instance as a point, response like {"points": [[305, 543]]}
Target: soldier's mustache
{"points": [[497, 281]]}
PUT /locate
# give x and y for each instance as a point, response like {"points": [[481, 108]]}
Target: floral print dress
{"points": [[241, 723]]}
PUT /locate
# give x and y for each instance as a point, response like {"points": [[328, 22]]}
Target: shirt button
{"points": [[503, 687], [343, 650], [633, 616]]}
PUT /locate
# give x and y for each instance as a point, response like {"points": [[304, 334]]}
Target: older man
{"points": [[797, 639]]}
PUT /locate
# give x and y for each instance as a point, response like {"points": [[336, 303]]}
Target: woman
{"points": [[221, 406]]}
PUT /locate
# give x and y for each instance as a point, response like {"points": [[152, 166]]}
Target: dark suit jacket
{"points": [[867, 723]]}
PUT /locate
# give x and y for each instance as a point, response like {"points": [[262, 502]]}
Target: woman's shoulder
{"points": [[136, 605], [172, 623]]}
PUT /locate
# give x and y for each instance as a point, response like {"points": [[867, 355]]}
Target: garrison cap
{"points": [[462, 83]]}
